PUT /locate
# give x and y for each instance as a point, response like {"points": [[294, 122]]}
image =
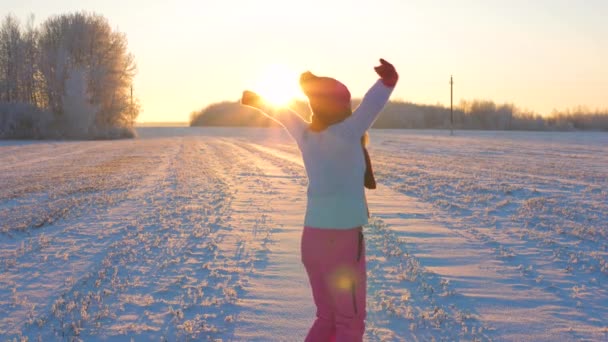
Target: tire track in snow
{"points": [[45, 264], [64, 189], [509, 263], [195, 284], [545, 273], [20, 157], [278, 298], [172, 263]]}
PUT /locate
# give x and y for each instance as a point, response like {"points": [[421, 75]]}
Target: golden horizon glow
{"points": [[203, 53], [278, 85]]}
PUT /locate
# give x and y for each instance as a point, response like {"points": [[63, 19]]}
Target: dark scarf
{"points": [[369, 180]]}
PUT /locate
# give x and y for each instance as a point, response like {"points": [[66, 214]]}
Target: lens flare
{"points": [[278, 85], [343, 278]]}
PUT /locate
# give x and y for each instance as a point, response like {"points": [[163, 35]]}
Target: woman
{"points": [[337, 165]]}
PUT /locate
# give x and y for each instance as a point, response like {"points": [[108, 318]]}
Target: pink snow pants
{"points": [[335, 262]]}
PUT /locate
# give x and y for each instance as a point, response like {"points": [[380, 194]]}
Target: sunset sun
{"points": [[278, 85]]}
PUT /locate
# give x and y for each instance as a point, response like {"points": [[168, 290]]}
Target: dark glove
{"points": [[387, 73], [251, 99]]}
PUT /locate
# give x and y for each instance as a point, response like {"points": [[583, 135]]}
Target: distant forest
{"points": [[476, 114]]}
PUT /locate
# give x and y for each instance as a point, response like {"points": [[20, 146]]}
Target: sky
{"points": [[539, 55]]}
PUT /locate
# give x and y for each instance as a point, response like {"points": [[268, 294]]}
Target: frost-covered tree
{"points": [[86, 43], [73, 67], [30, 76], [18, 62], [11, 55], [78, 110]]}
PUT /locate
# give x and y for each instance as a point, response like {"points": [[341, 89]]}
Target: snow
{"points": [[193, 233]]}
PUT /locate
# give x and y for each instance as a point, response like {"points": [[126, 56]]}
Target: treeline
{"points": [[476, 114], [234, 114], [69, 77]]}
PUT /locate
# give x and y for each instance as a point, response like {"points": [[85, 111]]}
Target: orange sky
{"points": [[538, 55]]}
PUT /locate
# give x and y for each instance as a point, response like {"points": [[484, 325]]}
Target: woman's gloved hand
{"points": [[251, 99], [387, 73]]}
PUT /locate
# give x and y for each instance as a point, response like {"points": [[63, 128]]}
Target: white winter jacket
{"points": [[334, 162]]}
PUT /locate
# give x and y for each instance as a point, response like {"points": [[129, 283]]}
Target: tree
{"points": [[85, 43], [30, 75], [71, 77], [10, 57]]}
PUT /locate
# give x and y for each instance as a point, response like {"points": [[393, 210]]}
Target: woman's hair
{"points": [[365, 139], [320, 120]]}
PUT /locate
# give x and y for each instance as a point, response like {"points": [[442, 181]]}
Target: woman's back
{"points": [[335, 166], [334, 162]]}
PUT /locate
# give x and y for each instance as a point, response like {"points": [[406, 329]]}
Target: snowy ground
{"points": [[193, 234]]}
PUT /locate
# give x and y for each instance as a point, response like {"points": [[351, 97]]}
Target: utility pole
{"points": [[451, 105], [131, 109]]}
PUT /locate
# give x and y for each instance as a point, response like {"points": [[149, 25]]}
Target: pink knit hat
{"points": [[314, 86], [329, 98]]}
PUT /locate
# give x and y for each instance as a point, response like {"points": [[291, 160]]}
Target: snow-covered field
{"points": [[193, 234]]}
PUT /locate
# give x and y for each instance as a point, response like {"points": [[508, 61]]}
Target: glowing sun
{"points": [[278, 85]]}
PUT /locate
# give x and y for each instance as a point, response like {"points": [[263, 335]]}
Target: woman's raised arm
{"points": [[374, 100], [292, 121]]}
